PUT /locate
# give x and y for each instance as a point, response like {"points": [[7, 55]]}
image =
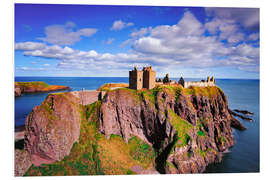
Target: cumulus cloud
{"points": [[247, 17], [28, 46], [119, 25], [253, 37], [135, 35], [141, 32], [65, 34]]}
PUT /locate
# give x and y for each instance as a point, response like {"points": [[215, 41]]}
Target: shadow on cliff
{"points": [[163, 156], [19, 144]]}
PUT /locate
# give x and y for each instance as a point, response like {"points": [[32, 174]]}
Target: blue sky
{"points": [[88, 40]]}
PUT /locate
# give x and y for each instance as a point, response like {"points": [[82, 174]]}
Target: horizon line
{"points": [[128, 77]]}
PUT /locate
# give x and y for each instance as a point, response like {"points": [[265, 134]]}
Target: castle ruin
{"points": [[146, 78], [142, 79], [209, 82]]}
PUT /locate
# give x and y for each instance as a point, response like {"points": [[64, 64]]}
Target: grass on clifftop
{"points": [[209, 91], [111, 86], [32, 84], [38, 86]]}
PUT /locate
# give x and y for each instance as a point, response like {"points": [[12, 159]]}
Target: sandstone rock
{"points": [[17, 91], [22, 162], [52, 128]]}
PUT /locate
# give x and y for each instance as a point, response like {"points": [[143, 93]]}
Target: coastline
{"points": [[231, 107]]}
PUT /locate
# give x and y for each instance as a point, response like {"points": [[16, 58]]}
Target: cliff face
{"points": [[189, 128], [166, 129], [52, 128]]}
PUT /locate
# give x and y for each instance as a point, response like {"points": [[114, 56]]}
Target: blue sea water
{"points": [[242, 94]]}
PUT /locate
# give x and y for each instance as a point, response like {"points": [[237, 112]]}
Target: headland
{"points": [[135, 129], [36, 87]]}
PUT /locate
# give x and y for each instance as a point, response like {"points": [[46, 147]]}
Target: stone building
{"points": [[142, 79], [209, 82]]}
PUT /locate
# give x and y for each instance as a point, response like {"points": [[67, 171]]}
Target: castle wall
{"points": [[88, 96], [149, 79], [136, 79], [199, 84]]}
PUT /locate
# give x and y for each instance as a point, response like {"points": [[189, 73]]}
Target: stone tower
{"points": [[135, 79], [149, 78], [142, 79], [181, 81]]}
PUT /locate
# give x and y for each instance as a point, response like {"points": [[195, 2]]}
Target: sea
{"points": [[242, 94]]}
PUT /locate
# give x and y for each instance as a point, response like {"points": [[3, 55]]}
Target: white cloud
{"points": [[109, 41], [254, 36], [247, 17], [140, 33], [119, 25], [28, 69], [64, 34], [227, 29], [28, 46], [135, 35]]}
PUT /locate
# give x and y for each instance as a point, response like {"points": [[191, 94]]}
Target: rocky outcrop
{"points": [[188, 128], [22, 162], [34, 87], [52, 128], [241, 116], [17, 91]]}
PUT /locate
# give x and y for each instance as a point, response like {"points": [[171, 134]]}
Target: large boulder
{"points": [[52, 128]]}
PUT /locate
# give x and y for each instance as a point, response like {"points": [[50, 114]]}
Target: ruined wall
{"points": [[88, 96], [198, 84], [136, 79]]}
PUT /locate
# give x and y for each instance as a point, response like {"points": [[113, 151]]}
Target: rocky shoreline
{"points": [[180, 130]]}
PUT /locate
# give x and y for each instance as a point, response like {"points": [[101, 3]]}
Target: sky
{"points": [[108, 41]]}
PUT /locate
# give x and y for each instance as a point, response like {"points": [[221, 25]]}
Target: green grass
{"points": [[34, 84], [182, 128], [209, 91], [143, 153], [222, 139], [200, 133]]}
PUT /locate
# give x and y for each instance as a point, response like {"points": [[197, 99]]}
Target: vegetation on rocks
{"points": [[136, 132], [36, 86]]}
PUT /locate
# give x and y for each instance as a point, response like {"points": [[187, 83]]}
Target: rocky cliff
{"points": [[164, 130], [189, 128], [52, 128]]}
